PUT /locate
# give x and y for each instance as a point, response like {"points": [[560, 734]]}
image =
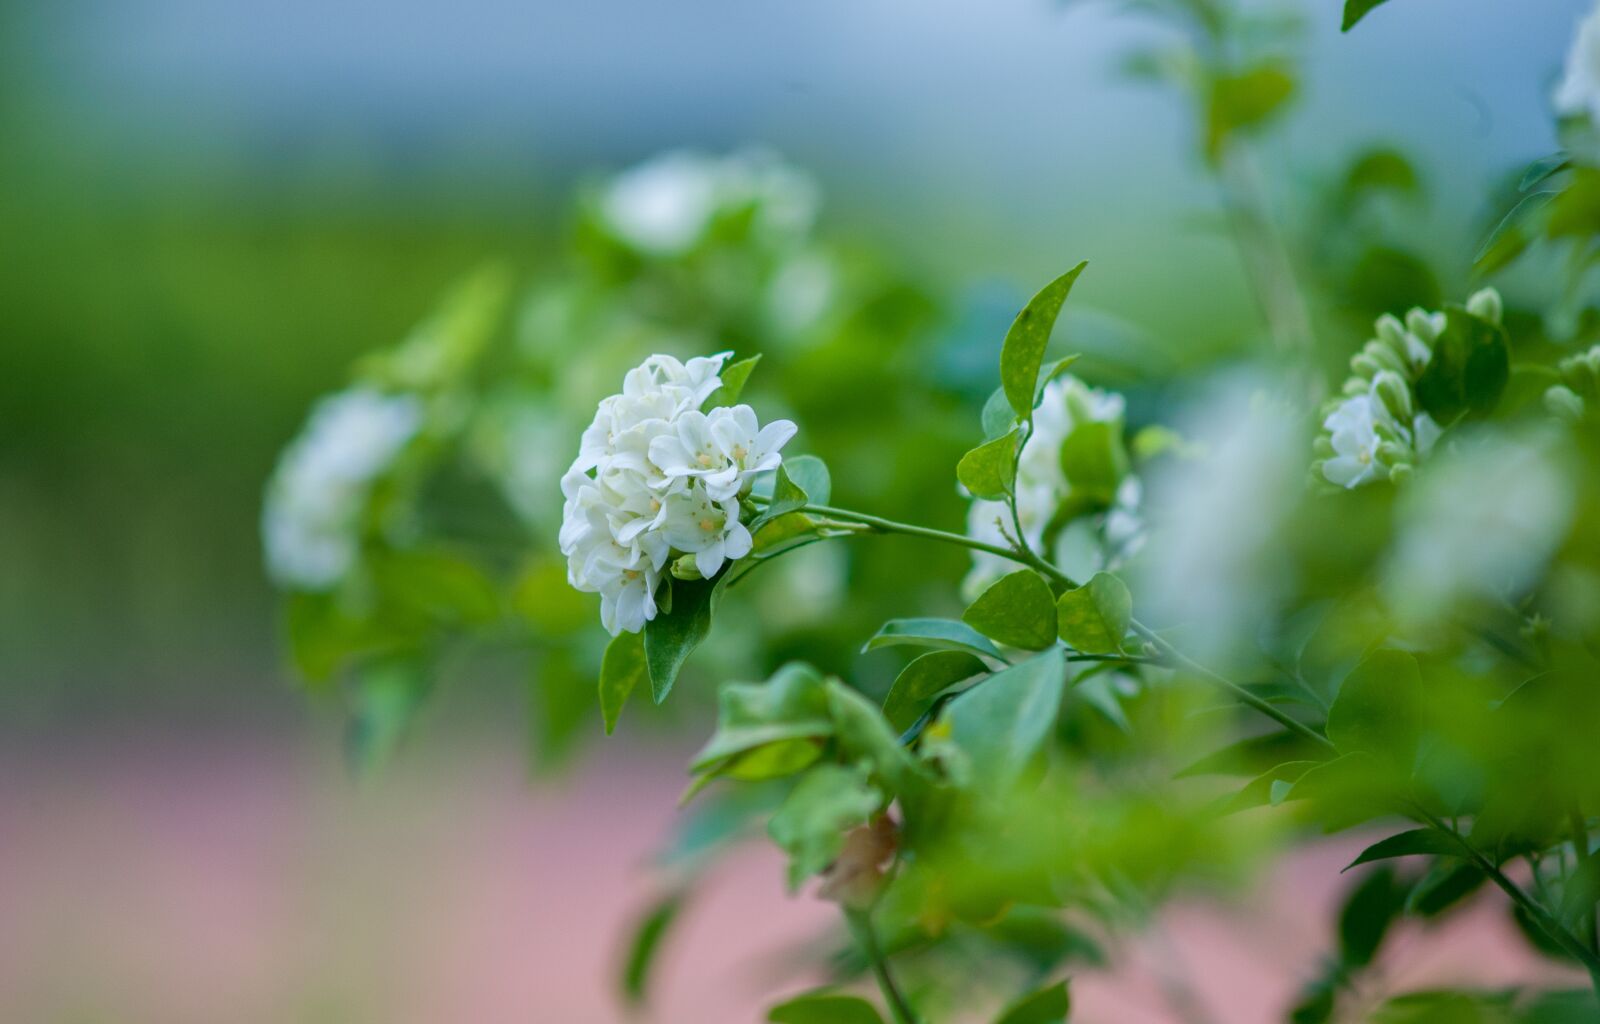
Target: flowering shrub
{"points": [[1408, 644]]}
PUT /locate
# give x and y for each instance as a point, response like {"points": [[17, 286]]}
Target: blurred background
{"points": [[210, 210]]}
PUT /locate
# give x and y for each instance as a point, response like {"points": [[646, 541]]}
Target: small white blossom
{"points": [[1353, 429], [657, 478], [310, 523], [1578, 95], [665, 206]]}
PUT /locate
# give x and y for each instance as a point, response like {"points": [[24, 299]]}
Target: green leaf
{"points": [[1048, 1005], [829, 800], [988, 471], [1002, 723], [1355, 10], [1017, 610], [1259, 791], [1469, 368], [647, 938], [924, 679], [672, 636], [864, 736], [998, 416], [810, 474], [1023, 350], [940, 634], [1446, 884], [1053, 371], [1350, 789], [824, 1008], [442, 349], [1543, 169], [621, 669], [1094, 618], [733, 376], [792, 705], [1094, 688], [1253, 755], [1244, 100], [1513, 234], [787, 496], [1375, 708], [1381, 168], [1417, 842], [1369, 910], [1094, 460]]}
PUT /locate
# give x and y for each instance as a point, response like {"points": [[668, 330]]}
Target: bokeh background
{"points": [[210, 209]]}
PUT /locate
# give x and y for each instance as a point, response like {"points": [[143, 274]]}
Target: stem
{"points": [[1230, 687], [1033, 561], [1542, 917], [861, 927], [1266, 260]]}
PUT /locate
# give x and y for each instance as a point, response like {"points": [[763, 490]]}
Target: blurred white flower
{"points": [[1212, 564], [665, 205], [311, 521], [1480, 524], [1353, 429], [656, 478], [1578, 95], [1042, 487]]}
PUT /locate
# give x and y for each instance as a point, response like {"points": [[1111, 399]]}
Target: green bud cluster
{"points": [[1580, 384]]}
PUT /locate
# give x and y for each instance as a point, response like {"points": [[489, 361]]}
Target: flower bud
{"points": [[1392, 333], [1562, 403], [1395, 393], [1402, 473], [1384, 356], [1322, 447], [1352, 387], [1364, 365], [1487, 305], [685, 567], [1393, 453], [1425, 325]]}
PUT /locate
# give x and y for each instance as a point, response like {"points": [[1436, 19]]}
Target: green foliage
{"points": [[810, 826], [940, 634], [1094, 459], [1242, 101], [1017, 610], [734, 376], [1023, 351], [989, 470], [1048, 1005], [1468, 371], [1001, 725], [676, 631], [621, 669], [1376, 710], [824, 1008], [925, 678], [1094, 618], [1355, 10], [648, 935], [1417, 842]]}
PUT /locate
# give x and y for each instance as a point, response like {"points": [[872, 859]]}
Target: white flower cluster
{"points": [[1042, 487], [1578, 95], [666, 205], [310, 524], [1376, 432], [656, 481]]}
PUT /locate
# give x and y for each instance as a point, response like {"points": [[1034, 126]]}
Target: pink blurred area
{"points": [[147, 881]]}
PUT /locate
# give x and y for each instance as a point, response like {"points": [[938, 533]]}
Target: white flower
{"points": [[655, 479], [695, 523], [1042, 487], [1353, 427], [310, 523], [662, 206], [665, 206], [1578, 95], [1480, 524], [721, 450]]}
